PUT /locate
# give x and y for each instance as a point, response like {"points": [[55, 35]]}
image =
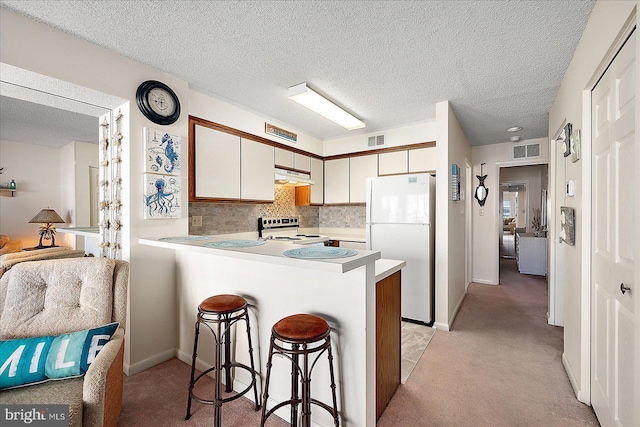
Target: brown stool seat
{"points": [[301, 327], [306, 337], [222, 304]]}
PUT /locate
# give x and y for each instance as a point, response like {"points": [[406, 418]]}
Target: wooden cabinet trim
{"points": [[388, 341], [383, 150], [222, 128]]}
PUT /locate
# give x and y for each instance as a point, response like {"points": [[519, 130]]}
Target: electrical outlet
{"points": [[347, 219], [196, 221]]}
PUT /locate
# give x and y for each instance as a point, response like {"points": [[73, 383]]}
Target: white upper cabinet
{"points": [[336, 181], [257, 171], [422, 160], [396, 162], [317, 175], [301, 162], [361, 168], [284, 158], [217, 163]]}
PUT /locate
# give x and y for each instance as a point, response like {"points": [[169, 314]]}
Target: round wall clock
{"points": [[158, 102]]}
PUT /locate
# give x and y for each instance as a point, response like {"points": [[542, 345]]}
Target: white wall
{"points": [[453, 147], [486, 219], [75, 160], [36, 170], [24, 43], [393, 137], [605, 24], [218, 111]]}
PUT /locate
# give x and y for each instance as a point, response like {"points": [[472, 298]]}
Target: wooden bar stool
{"points": [[292, 337], [222, 312]]}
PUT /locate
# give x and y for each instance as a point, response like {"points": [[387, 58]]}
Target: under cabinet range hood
{"points": [[292, 178]]}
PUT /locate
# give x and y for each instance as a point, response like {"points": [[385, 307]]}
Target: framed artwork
{"points": [[568, 225], [575, 146], [455, 182], [565, 137], [162, 196], [162, 152]]}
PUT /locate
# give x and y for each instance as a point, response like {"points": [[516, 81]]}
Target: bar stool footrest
{"points": [[226, 399]]}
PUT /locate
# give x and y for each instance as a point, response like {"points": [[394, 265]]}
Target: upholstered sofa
{"points": [[8, 246], [9, 260], [53, 297]]}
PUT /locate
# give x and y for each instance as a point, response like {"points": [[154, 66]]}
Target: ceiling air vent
{"points": [[376, 141], [525, 151]]}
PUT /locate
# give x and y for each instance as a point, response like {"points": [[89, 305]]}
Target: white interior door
{"points": [[614, 248]]}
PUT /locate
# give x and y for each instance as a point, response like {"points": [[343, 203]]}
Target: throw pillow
{"points": [[27, 361]]}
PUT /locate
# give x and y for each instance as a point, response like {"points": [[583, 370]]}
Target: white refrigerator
{"points": [[400, 224]]}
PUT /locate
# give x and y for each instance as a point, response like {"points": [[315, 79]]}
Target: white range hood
{"points": [[292, 178]]}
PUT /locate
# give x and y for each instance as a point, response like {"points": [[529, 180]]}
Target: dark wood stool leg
{"points": [[306, 389], [227, 355], [265, 393], [295, 399], [253, 368], [333, 384], [217, 407], [193, 367]]}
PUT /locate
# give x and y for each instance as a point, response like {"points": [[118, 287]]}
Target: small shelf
{"points": [[7, 190]]}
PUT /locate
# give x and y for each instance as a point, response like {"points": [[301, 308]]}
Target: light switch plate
{"points": [[196, 221]]}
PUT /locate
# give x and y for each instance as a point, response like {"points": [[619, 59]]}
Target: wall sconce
{"points": [[481, 192], [47, 217]]}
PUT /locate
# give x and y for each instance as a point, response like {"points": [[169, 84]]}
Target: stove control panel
{"points": [[277, 222]]}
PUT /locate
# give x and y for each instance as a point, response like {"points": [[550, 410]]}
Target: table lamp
{"points": [[47, 217]]}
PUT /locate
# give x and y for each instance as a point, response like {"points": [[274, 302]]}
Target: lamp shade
{"points": [[47, 216]]}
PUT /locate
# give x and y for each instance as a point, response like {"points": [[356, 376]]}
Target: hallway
{"points": [[500, 365]]}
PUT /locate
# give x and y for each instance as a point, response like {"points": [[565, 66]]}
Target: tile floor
{"points": [[415, 338]]}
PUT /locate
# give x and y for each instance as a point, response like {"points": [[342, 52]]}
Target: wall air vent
{"points": [[533, 150], [376, 141], [526, 151]]}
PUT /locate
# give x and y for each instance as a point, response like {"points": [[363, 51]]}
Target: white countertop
{"points": [[386, 267], [271, 252], [81, 231]]}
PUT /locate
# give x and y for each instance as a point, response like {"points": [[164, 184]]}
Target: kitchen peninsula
{"points": [[341, 290]]}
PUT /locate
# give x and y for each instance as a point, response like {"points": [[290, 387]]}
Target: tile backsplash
{"points": [[225, 218], [342, 216]]}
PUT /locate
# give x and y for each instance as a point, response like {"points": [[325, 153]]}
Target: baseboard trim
{"points": [[572, 377], [455, 311], [484, 282], [441, 326], [149, 362]]}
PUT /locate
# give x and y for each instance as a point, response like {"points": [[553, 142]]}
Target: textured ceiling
{"points": [[500, 63], [23, 121], [42, 110]]}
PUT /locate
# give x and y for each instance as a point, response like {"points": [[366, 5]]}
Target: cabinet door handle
{"points": [[624, 288]]}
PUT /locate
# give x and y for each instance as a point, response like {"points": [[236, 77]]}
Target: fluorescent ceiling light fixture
{"points": [[514, 129], [514, 138], [303, 95]]}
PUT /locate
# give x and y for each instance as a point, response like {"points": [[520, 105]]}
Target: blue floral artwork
{"points": [[162, 152], [162, 196]]}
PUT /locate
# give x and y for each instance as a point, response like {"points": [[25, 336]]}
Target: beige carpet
{"points": [[499, 366]]}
